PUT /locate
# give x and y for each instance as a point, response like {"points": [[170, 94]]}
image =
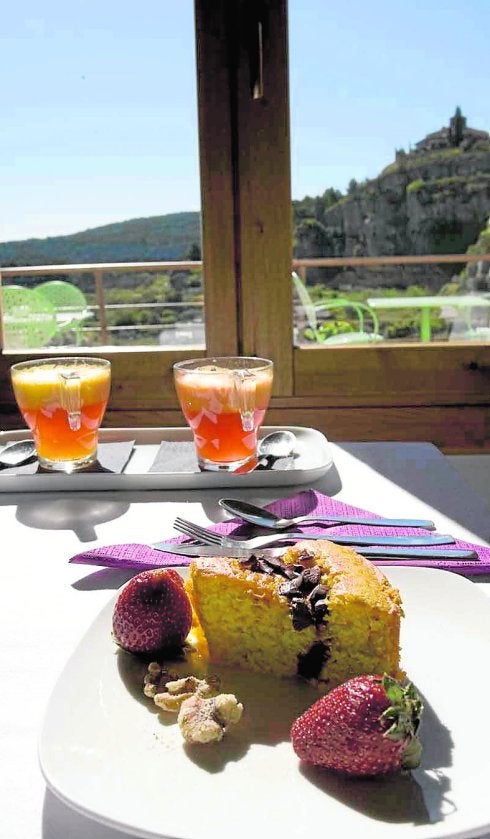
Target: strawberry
{"points": [[366, 726], [152, 612]]}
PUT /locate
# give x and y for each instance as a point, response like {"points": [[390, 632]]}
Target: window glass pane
{"points": [[99, 164], [390, 159]]}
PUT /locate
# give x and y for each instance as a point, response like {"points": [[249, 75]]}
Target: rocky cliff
{"points": [[434, 199]]}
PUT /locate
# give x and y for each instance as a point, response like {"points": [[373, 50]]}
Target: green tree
{"points": [[330, 197], [194, 253]]}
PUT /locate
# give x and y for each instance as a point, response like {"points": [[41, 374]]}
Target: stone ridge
{"points": [[433, 199]]}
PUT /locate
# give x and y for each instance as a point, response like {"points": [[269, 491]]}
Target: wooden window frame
{"points": [[381, 392]]}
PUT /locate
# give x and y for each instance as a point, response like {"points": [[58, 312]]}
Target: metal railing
{"points": [[301, 265], [98, 270]]}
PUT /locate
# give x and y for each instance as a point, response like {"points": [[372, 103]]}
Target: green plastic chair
{"points": [[29, 320], [69, 304], [311, 310]]}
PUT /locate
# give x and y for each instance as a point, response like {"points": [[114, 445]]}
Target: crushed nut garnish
{"points": [[204, 714], [156, 679], [206, 720]]}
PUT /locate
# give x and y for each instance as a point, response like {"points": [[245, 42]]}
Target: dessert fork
{"points": [[210, 537]]}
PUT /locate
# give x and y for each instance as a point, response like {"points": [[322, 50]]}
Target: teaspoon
{"points": [[274, 446], [277, 444], [16, 453], [264, 518]]}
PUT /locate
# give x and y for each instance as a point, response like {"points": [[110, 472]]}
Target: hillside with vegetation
{"points": [[153, 239], [133, 298], [433, 199]]}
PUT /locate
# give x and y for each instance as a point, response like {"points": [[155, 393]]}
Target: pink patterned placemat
{"points": [[140, 557]]}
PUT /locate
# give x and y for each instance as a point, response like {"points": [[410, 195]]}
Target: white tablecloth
{"points": [[46, 605]]}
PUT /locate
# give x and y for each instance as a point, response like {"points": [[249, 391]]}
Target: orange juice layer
{"points": [[54, 438], [38, 387]]}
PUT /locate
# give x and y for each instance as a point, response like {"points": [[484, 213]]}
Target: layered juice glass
{"points": [[224, 401], [63, 401]]}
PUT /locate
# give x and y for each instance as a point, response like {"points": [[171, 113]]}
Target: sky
{"points": [[99, 115]]}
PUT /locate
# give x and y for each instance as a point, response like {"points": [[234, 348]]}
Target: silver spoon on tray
{"points": [[272, 447], [277, 444], [16, 453]]}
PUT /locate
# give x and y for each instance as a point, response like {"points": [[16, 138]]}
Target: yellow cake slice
{"points": [[320, 611]]}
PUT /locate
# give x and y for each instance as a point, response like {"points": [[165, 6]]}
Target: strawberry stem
{"points": [[404, 713]]}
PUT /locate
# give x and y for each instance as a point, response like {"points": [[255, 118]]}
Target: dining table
{"points": [[428, 304], [48, 604]]}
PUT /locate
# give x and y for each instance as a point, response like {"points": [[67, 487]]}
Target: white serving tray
{"points": [[314, 458]]}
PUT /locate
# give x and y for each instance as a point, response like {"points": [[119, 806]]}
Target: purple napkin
{"points": [[140, 557]]}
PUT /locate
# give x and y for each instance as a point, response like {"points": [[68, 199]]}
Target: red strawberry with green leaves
{"points": [[366, 726], [152, 612]]}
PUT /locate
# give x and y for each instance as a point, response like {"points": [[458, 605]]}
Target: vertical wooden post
{"points": [[2, 342], [264, 187], [99, 293], [245, 178], [215, 74]]}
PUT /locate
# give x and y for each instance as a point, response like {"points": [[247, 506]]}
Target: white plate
{"points": [[105, 750], [313, 457]]}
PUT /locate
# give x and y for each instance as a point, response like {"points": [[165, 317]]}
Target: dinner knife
{"points": [[270, 540], [356, 539], [182, 549]]}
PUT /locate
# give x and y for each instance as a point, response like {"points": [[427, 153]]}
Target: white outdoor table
{"points": [[427, 304], [47, 605]]}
